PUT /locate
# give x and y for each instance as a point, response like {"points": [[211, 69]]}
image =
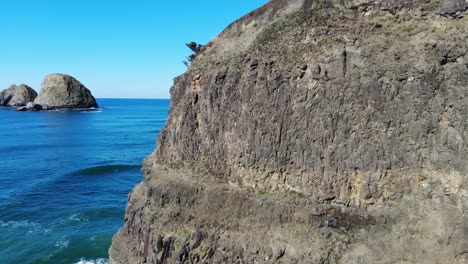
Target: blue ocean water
{"points": [[65, 176]]}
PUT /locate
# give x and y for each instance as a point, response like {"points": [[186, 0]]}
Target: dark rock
{"points": [[61, 91], [31, 106], [22, 108], [280, 253]]}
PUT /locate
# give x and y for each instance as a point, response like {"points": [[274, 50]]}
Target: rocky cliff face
{"points": [[314, 132]]}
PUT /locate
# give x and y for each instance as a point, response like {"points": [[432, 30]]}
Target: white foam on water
{"points": [[93, 261], [62, 243], [91, 112], [33, 228], [18, 224], [74, 217]]}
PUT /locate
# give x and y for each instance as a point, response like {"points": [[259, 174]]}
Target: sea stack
{"points": [[313, 132], [60, 91], [17, 95]]}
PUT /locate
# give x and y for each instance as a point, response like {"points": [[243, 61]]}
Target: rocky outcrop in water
{"points": [[313, 132], [17, 95], [60, 91]]}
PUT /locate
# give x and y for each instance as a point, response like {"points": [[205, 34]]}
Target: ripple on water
{"points": [[62, 243], [32, 228], [93, 261], [68, 198]]}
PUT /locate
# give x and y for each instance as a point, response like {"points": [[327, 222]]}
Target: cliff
{"points": [[313, 132]]}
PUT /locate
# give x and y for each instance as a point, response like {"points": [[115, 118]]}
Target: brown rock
{"points": [[359, 160], [63, 91]]}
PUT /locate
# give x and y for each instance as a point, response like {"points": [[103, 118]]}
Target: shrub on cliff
{"points": [[195, 48]]}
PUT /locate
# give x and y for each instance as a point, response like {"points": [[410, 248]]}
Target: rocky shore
{"points": [[313, 132]]}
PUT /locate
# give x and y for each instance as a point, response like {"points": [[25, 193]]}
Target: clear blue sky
{"points": [[118, 49]]}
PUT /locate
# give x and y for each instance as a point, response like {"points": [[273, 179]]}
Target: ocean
{"points": [[65, 177]]}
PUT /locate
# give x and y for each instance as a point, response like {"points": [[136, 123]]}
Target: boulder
{"points": [[7, 94], [17, 95], [31, 106], [22, 96], [452, 7], [61, 91], [21, 108]]}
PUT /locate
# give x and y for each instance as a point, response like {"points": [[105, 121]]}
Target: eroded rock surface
{"points": [[61, 91], [17, 95], [313, 132]]}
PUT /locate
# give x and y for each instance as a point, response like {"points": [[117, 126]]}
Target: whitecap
{"points": [[91, 112], [74, 217], [62, 243], [33, 228], [93, 261]]}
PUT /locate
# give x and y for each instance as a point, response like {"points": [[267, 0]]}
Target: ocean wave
{"points": [[65, 110], [18, 148], [94, 111], [33, 147], [62, 243], [77, 218], [31, 227], [106, 169], [93, 261], [73, 218], [19, 224]]}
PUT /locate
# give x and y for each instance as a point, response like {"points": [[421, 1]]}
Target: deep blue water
{"points": [[65, 176]]}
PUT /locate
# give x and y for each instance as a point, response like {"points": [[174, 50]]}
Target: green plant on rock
{"points": [[195, 48], [295, 193]]}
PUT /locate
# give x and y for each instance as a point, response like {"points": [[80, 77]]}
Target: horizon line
{"points": [[136, 98]]}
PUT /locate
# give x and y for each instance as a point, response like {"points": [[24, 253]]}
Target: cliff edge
{"points": [[313, 132]]}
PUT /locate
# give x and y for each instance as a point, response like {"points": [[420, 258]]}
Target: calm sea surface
{"points": [[65, 176]]}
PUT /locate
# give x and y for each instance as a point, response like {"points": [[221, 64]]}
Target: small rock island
{"points": [[17, 95], [58, 91]]}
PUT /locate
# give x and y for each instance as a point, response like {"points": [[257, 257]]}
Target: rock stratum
{"points": [[61, 91], [17, 95], [313, 132]]}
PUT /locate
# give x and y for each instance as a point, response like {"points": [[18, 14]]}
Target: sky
{"points": [[118, 49]]}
